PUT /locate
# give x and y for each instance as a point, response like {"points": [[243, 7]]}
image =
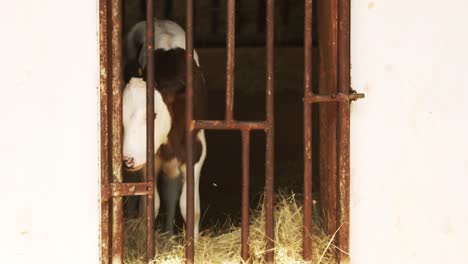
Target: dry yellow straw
{"points": [[223, 246]]}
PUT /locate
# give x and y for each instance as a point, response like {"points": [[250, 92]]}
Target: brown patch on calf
{"points": [[171, 168], [170, 81]]}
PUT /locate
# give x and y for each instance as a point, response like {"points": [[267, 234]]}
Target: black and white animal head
{"points": [[134, 123], [169, 75], [167, 35]]}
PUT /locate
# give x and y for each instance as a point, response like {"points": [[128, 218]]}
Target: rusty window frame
{"points": [[111, 86]]}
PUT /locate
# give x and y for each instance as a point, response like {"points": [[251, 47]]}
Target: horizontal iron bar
{"points": [[126, 189], [229, 125], [339, 97]]}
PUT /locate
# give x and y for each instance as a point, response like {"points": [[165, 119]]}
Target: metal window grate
{"points": [[111, 86]]}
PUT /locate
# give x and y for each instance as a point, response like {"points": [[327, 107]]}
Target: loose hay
{"points": [[222, 245]]}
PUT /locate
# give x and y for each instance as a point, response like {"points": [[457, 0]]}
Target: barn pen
{"points": [[266, 64]]}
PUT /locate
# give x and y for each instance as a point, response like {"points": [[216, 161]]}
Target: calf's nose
{"points": [[128, 162]]}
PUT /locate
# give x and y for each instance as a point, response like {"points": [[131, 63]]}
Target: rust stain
{"points": [[230, 40], [229, 125], [190, 202]]}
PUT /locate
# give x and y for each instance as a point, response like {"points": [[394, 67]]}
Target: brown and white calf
{"points": [[169, 107]]}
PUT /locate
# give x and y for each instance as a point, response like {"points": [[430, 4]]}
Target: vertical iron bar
{"points": [[327, 30], [307, 233], [110, 176], [149, 177], [104, 124], [230, 40], [343, 127], [189, 224], [245, 194], [269, 164], [117, 85]]}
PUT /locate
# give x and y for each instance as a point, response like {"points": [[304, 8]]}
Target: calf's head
{"points": [[134, 123]]}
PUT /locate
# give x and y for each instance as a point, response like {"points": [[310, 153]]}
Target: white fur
{"points": [[134, 121], [167, 35], [134, 143], [197, 171]]}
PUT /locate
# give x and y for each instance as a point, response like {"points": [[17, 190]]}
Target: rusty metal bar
{"points": [[344, 80], [226, 125], [104, 124], [126, 189], [269, 159], [307, 232], [189, 222], [338, 97], [230, 43], [149, 177], [327, 36], [117, 86], [245, 194]]}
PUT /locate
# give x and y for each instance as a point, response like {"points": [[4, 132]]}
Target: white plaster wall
{"points": [[409, 197], [49, 133]]}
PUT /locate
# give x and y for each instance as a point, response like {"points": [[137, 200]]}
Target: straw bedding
{"points": [[222, 244]]}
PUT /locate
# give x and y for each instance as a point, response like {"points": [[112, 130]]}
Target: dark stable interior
{"points": [[220, 182]]}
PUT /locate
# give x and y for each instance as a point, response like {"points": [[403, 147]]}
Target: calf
{"points": [[167, 35], [169, 107]]}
